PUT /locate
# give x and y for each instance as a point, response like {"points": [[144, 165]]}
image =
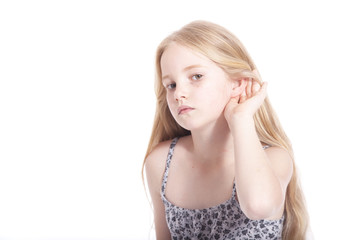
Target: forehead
{"points": [[177, 57]]}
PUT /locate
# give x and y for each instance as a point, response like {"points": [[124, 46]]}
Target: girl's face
{"points": [[197, 89]]}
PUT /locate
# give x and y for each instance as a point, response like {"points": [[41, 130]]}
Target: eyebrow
{"points": [[185, 69]]}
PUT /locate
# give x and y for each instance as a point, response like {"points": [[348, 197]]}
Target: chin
{"points": [[192, 123], [186, 126], [190, 126]]}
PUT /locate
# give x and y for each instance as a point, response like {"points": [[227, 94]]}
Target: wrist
{"points": [[243, 120]]}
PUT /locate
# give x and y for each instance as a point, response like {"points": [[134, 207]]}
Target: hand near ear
{"points": [[249, 100]]}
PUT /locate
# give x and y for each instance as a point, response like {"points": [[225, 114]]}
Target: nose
{"points": [[180, 98], [180, 92]]}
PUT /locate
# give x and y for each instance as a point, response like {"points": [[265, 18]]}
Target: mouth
{"points": [[184, 109]]}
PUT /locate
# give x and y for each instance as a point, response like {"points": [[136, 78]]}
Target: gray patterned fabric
{"points": [[224, 221]]}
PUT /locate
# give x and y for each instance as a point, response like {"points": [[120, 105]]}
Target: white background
{"points": [[77, 104]]}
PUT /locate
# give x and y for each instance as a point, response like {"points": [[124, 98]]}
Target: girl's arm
{"points": [[261, 176], [155, 165]]}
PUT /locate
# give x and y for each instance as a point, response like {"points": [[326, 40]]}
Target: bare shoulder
{"points": [[281, 162], [158, 155], [155, 164], [155, 167]]}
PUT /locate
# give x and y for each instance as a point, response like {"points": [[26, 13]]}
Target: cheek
{"points": [[222, 93], [172, 104], [219, 99], [169, 98]]}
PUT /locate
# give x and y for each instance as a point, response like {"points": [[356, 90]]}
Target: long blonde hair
{"points": [[223, 48]]}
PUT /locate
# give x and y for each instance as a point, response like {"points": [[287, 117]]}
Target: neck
{"points": [[213, 143]]}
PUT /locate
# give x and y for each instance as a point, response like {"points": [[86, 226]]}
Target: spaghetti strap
{"points": [[168, 161], [266, 146], [234, 190]]}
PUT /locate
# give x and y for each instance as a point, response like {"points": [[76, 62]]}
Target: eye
{"points": [[196, 77], [171, 86]]}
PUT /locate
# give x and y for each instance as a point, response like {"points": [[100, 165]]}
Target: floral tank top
{"points": [[224, 221]]}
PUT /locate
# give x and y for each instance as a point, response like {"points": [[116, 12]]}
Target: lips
{"points": [[184, 109]]}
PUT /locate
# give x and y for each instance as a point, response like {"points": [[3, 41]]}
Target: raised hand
{"points": [[248, 102]]}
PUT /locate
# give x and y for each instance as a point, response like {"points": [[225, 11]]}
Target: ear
{"points": [[238, 86]]}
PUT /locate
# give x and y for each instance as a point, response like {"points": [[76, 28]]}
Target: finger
{"points": [[236, 98], [248, 87], [242, 97], [233, 102], [263, 89], [255, 87]]}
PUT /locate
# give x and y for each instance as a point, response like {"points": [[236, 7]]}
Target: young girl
{"points": [[218, 164]]}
